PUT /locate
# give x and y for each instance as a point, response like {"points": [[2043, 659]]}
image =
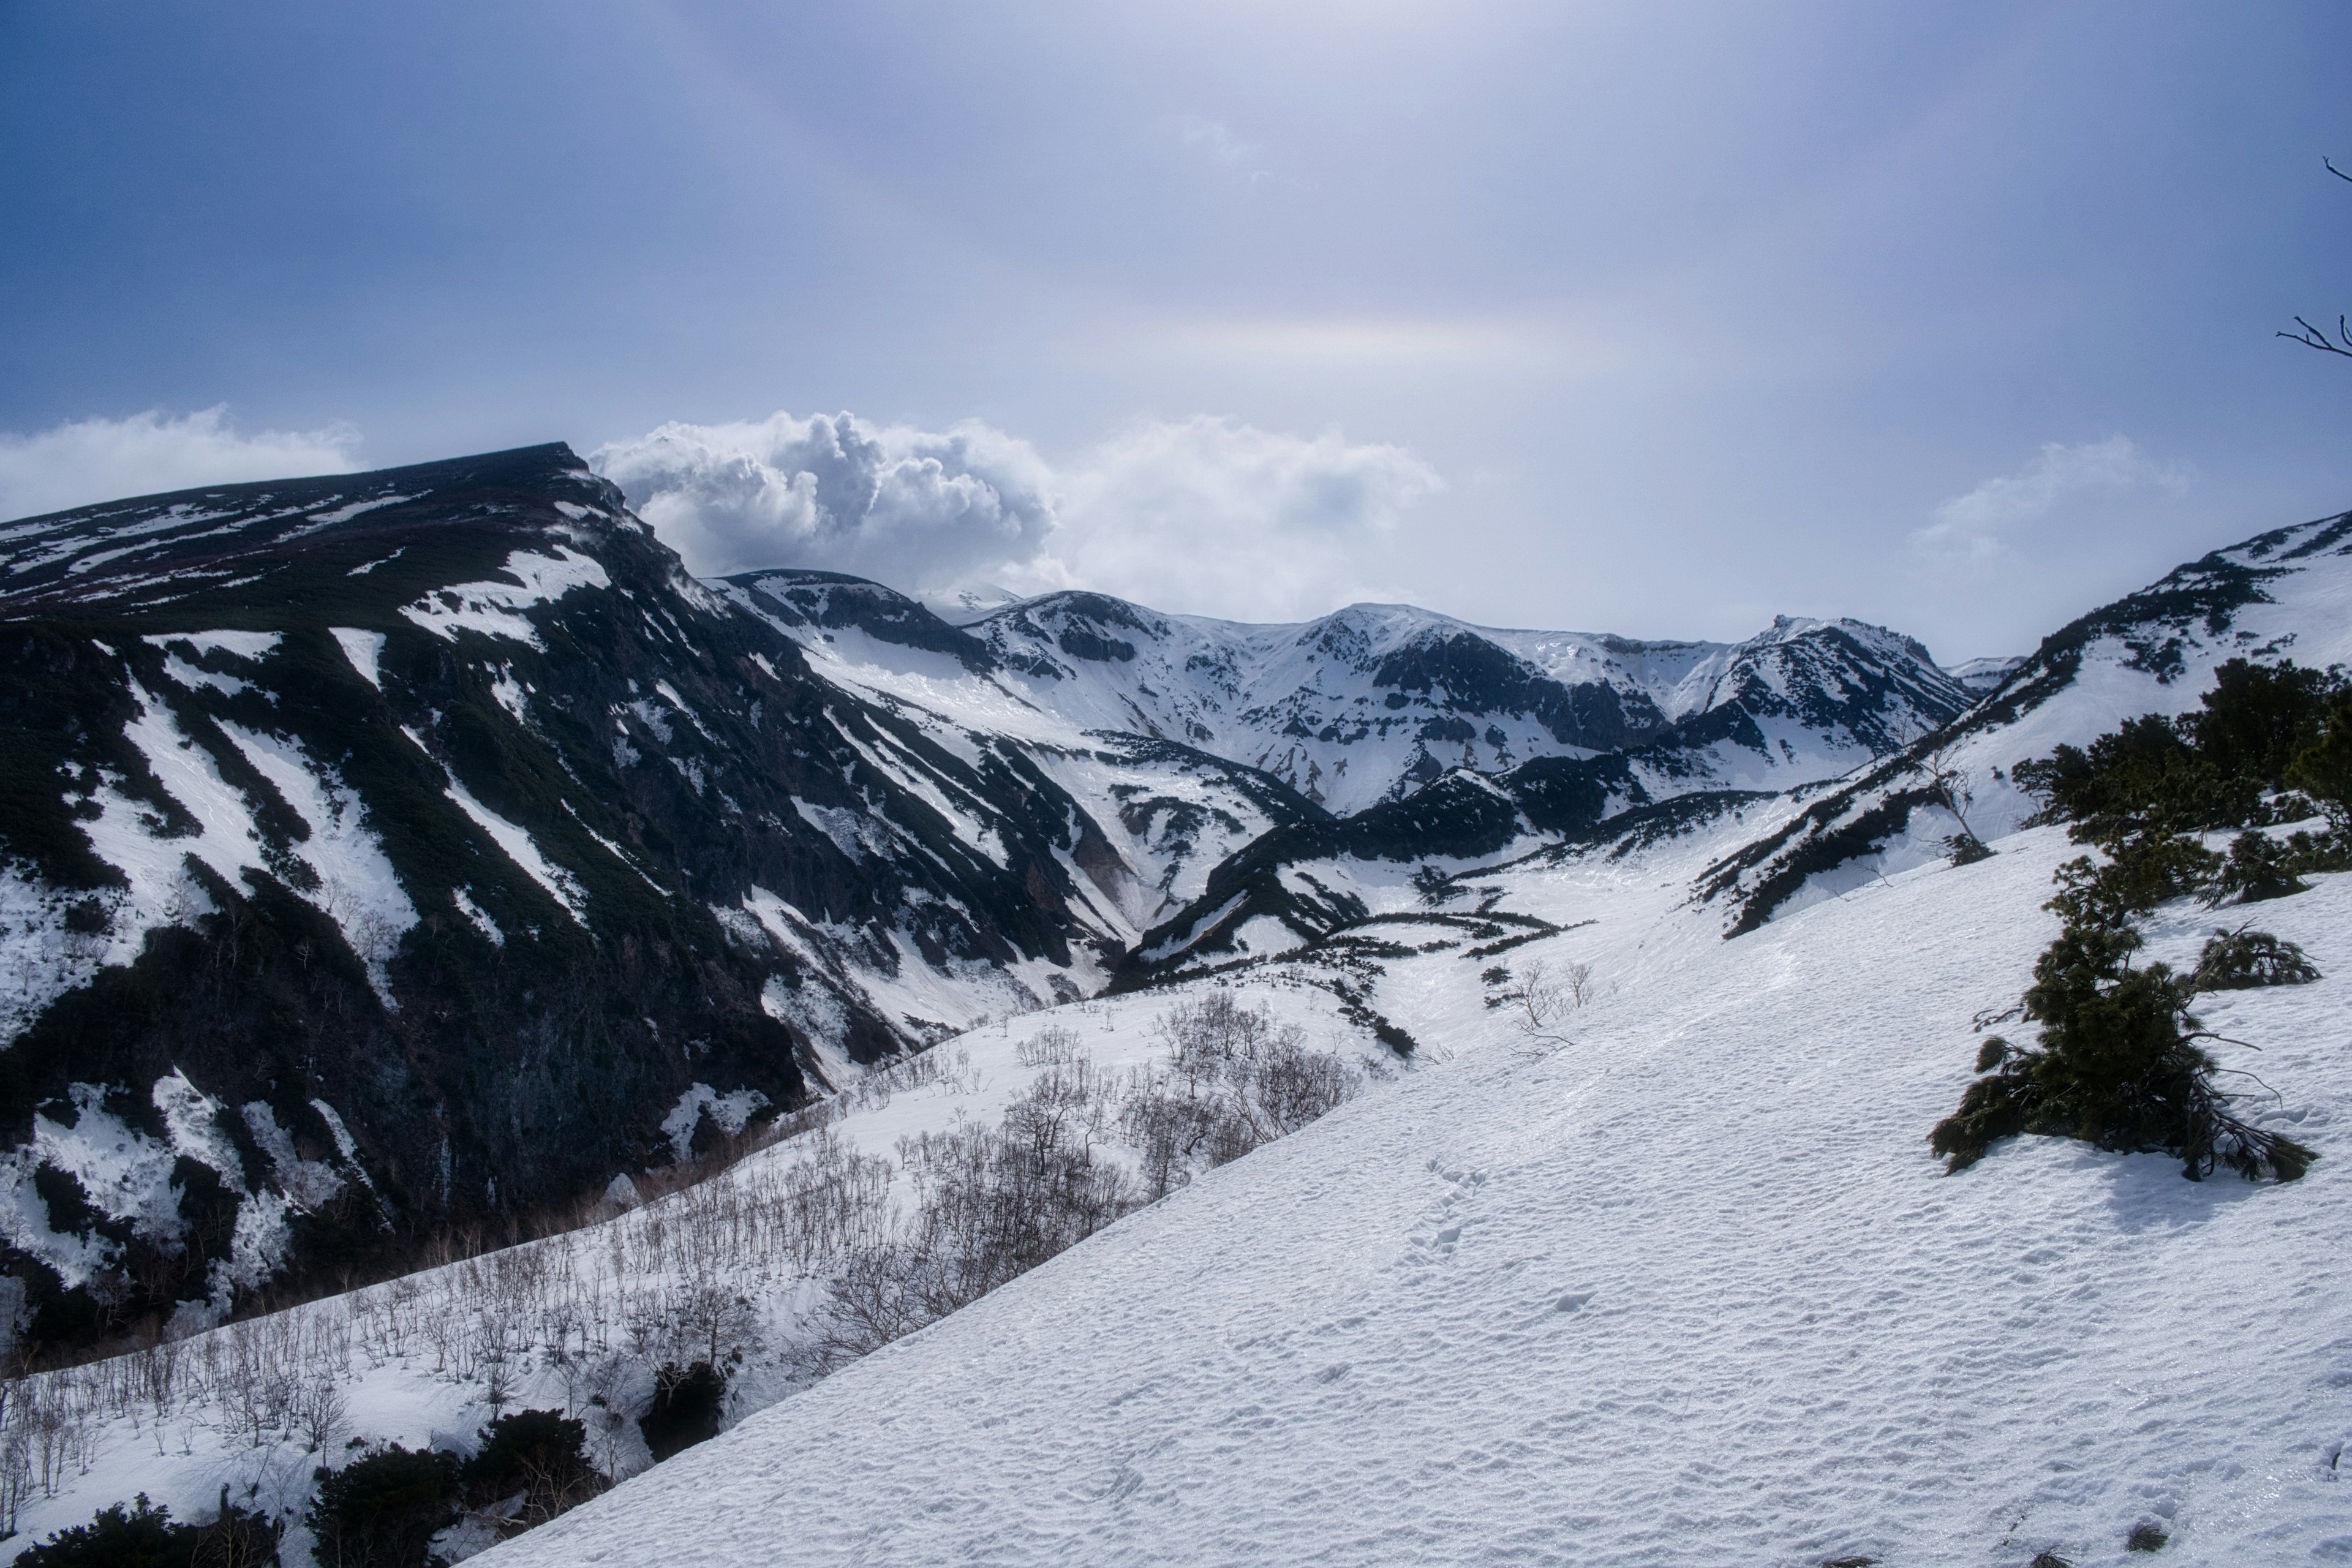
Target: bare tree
{"points": [[1954, 788], [2312, 337], [1547, 996]]}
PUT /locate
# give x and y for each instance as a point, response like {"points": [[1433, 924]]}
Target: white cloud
{"points": [[90, 460], [1217, 139], [1203, 515], [831, 491], [1977, 529], [1218, 518]]}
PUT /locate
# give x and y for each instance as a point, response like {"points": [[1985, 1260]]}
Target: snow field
{"points": [[1690, 1290], [741, 1259], [494, 609]]}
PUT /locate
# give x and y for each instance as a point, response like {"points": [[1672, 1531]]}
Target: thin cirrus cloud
{"points": [[1206, 515], [1982, 529], [86, 460], [1217, 140]]}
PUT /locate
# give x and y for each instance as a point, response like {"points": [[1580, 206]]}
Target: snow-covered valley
{"points": [[1687, 1286], [1682, 1282], [1100, 1087]]}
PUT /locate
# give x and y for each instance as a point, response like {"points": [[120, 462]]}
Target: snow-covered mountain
{"points": [[370, 841], [1374, 701], [394, 852], [2280, 594], [1982, 674]]}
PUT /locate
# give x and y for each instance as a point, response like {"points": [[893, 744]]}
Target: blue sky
{"points": [[1656, 319]]}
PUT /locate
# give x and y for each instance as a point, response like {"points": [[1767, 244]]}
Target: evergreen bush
{"points": [[686, 1406], [2118, 1065], [2261, 729], [146, 1536], [2242, 960], [538, 1455], [382, 1509], [2258, 868], [2119, 1061], [2322, 767]]}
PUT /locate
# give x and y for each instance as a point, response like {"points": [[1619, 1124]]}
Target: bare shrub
{"points": [[1233, 1079], [1547, 996], [1050, 1046]]}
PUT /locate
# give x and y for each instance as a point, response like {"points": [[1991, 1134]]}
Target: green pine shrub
{"points": [[538, 1455], [2140, 874], [2258, 868], [146, 1536], [382, 1509], [2322, 767], [2120, 1061], [2118, 1065], [2262, 730], [2242, 960]]}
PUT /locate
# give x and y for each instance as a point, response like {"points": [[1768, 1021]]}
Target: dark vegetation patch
{"points": [[688, 1404], [539, 1456], [144, 1535], [384, 1509], [2121, 1061]]}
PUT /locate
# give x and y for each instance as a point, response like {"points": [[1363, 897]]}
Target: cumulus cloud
{"points": [[1204, 515], [89, 460], [831, 491], [1978, 528]]}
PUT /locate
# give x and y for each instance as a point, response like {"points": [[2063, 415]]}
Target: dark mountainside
{"points": [[528, 1030]]}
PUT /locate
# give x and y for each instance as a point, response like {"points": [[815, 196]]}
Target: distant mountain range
{"points": [[424, 848]]}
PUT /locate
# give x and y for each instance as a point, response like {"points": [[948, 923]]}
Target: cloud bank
{"points": [[91, 460], [902, 506], [1978, 528], [1204, 515]]}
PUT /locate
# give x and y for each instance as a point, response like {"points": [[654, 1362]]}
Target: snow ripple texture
{"points": [[1690, 1289]]}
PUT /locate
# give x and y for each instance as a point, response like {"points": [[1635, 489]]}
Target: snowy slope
{"points": [[1689, 1289], [580, 1317], [2287, 595]]}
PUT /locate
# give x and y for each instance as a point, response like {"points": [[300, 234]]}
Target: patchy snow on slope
{"points": [[53, 941], [365, 650], [357, 886], [729, 1113], [517, 842], [126, 1175], [1688, 1289], [42, 956], [480, 917], [494, 609]]}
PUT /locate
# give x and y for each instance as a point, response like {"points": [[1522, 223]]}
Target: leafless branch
{"points": [[2311, 337]]}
